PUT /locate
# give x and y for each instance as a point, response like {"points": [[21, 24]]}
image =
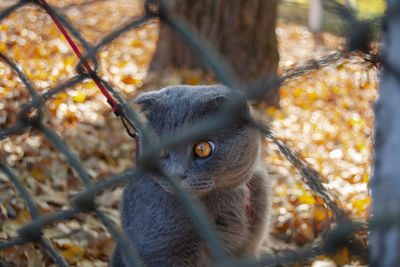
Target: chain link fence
{"points": [[30, 116]]}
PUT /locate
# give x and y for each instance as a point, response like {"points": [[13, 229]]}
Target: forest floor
{"points": [[325, 115]]}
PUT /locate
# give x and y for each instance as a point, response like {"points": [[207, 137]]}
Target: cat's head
{"points": [[216, 160]]}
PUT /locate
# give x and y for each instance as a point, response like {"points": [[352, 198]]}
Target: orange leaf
{"points": [[319, 214], [136, 43], [38, 174], [129, 80], [193, 80], [342, 257]]}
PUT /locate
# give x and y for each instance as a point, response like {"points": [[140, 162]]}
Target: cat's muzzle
{"points": [[196, 187]]}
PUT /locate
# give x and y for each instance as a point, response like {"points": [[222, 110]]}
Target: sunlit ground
{"points": [[326, 116]]}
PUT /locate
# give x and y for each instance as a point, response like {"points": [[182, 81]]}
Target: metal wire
{"points": [[85, 201]]}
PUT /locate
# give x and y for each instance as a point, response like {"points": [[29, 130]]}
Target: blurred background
{"points": [[325, 115]]}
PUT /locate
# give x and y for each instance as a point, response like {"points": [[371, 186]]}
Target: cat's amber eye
{"points": [[204, 149]]}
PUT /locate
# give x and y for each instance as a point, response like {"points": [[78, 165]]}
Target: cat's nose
{"points": [[178, 171], [180, 175]]}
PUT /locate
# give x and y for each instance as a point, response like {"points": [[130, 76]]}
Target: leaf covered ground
{"points": [[326, 116]]}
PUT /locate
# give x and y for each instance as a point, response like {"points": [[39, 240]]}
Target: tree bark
{"points": [[242, 31], [385, 183]]}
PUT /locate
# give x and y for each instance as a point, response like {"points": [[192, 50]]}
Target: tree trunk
{"points": [[242, 31], [385, 184]]}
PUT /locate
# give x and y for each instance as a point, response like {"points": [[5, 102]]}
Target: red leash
{"points": [[117, 108], [110, 100]]}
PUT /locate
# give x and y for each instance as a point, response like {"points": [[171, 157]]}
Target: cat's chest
{"points": [[151, 215], [234, 200], [151, 206]]}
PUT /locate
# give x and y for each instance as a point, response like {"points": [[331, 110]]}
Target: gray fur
{"points": [[154, 219]]}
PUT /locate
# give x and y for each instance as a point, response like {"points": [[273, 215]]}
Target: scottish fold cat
{"points": [[222, 169]]}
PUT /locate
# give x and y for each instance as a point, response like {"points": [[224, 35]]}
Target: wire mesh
{"points": [[30, 116]]}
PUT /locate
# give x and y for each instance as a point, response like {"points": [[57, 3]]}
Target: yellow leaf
{"points": [[298, 92], [69, 61], [72, 252], [361, 204], [312, 96], [307, 199], [62, 96], [271, 110], [365, 178], [360, 146], [79, 97], [3, 47], [90, 84], [41, 75], [356, 121], [336, 90]]}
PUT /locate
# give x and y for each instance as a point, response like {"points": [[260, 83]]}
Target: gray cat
{"points": [[222, 169]]}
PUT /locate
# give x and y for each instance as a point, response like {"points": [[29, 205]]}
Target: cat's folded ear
{"points": [[146, 101], [219, 100], [224, 99]]}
